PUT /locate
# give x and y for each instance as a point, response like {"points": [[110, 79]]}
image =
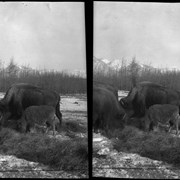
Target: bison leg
{"points": [[47, 129], [54, 125], [58, 113], [53, 128], [151, 126], [103, 122], [18, 112], [4, 117], [159, 126], [177, 124], [170, 127], [177, 130], [171, 124], [22, 125], [97, 122], [28, 128]]}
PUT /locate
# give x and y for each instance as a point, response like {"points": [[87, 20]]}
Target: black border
{"points": [[89, 71]]}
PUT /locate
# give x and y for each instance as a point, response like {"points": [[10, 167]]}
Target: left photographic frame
{"points": [[43, 89]]}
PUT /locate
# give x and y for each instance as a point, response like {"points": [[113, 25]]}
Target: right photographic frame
{"points": [[136, 90]]}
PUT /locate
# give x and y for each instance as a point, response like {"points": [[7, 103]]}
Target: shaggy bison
{"points": [[146, 94], [20, 96], [106, 111], [38, 116], [162, 114], [106, 86]]}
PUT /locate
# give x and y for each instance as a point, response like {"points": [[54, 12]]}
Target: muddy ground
{"points": [[74, 109]]}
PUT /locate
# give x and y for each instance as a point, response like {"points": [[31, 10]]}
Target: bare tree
{"points": [[134, 71], [12, 69]]}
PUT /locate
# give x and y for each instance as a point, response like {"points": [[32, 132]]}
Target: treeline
{"points": [[61, 82], [128, 75]]}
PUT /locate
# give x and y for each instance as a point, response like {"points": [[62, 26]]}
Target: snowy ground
{"points": [[108, 162], [122, 94], [74, 103], [2, 95], [74, 108]]}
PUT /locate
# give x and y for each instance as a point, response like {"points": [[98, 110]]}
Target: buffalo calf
{"points": [[38, 116], [162, 114]]}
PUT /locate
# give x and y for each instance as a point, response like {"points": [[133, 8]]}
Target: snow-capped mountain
{"points": [[105, 65], [100, 65], [115, 64], [106, 61]]}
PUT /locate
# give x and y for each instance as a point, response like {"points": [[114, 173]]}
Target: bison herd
{"points": [[28, 106], [147, 106]]}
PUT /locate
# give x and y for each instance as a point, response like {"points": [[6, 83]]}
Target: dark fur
{"points": [[107, 86], [146, 94], [20, 96], [106, 111]]}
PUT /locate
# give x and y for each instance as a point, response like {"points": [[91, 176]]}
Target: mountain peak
{"points": [[105, 61]]}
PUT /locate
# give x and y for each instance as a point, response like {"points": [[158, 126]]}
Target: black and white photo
{"points": [[43, 93], [136, 90]]}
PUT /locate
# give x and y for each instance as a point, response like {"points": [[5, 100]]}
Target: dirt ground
{"points": [[73, 108]]}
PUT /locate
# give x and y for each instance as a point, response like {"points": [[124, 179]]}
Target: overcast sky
{"points": [[47, 35], [149, 31]]}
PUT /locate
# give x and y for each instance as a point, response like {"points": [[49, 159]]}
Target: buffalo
{"points": [[162, 114], [38, 116], [109, 87], [146, 94], [21, 95], [106, 111]]}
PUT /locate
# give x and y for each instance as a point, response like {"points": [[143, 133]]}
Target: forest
{"points": [[132, 73], [61, 82]]}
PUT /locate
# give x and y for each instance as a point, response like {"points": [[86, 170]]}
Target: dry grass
{"points": [[155, 145], [60, 154]]}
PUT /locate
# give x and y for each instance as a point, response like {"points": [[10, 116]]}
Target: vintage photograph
{"points": [[136, 90], [43, 93]]}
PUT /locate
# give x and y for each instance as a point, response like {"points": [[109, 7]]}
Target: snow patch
{"points": [[72, 103]]}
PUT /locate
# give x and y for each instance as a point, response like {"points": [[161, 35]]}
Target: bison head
{"points": [[126, 102], [134, 102]]}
